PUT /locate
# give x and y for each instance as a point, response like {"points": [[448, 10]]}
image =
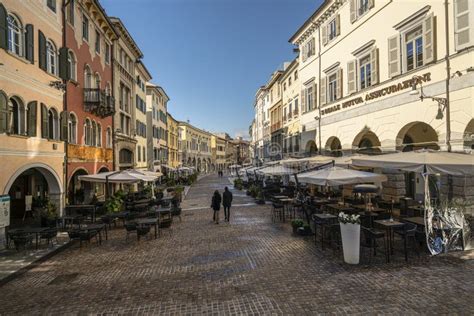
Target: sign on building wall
{"points": [[4, 211]]}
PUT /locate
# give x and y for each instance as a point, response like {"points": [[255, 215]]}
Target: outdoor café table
{"points": [[417, 210], [418, 220], [29, 230], [372, 209], [389, 225], [339, 208], [148, 222], [95, 227], [325, 219]]}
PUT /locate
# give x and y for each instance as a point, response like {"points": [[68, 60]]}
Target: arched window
{"points": [[72, 129], [99, 135], [108, 89], [108, 138], [94, 134], [87, 78], [15, 35], [71, 63], [87, 132], [53, 124], [51, 58], [17, 117], [97, 81]]}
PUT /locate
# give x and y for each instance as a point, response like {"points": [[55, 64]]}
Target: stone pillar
{"points": [[395, 187]]}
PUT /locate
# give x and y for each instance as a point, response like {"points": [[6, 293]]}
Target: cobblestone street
{"points": [[250, 266]]}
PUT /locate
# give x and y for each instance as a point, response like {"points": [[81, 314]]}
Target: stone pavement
{"points": [[250, 266]]}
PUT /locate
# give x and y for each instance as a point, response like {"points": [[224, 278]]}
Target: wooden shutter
{"points": [[313, 46], [351, 76], [304, 52], [338, 25], [462, 23], [371, 4], [394, 56], [64, 69], [353, 9], [324, 34], [30, 43], [374, 66], [303, 100], [64, 125], [339, 83], [314, 95], [429, 39], [32, 118], [3, 27], [42, 50], [322, 92], [3, 113], [44, 121]]}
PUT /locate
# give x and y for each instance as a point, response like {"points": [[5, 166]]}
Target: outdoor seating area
{"points": [[337, 205]]}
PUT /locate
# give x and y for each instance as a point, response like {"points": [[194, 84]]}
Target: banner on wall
{"points": [[4, 211]]}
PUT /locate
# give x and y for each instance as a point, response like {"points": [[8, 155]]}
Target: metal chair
{"points": [[49, 235], [408, 231], [369, 240], [277, 211]]}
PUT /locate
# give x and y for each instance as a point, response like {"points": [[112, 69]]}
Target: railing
{"points": [[98, 103]]}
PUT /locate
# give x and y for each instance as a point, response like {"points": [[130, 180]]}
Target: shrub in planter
{"points": [[304, 230], [260, 199], [296, 223], [238, 184], [49, 215]]}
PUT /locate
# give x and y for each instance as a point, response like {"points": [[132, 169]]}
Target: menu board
{"points": [[4, 210]]}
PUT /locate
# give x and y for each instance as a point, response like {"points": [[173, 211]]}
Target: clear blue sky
{"points": [[211, 56]]}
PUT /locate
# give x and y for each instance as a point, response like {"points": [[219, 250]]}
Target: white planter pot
{"points": [[350, 234]]}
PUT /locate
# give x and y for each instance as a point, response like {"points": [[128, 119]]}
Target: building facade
{"points": [[275, 149], [196, 147], [126, 56], [90, 104], [142, 77], [173, 127], [31, 105], [157, 103], [218, 149]]}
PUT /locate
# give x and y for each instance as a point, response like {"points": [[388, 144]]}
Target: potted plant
{"points": [[296, 223], [49, 216], [350, 234], [304, 230], [238, 184]]}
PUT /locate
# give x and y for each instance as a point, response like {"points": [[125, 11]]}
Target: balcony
{"points": [[98, 103]]}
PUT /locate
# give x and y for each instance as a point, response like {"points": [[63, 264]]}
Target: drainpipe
{"points": [[112, 56], [448, 77], [319, 85], [66, 141]]}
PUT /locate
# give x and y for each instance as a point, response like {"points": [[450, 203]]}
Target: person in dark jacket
{"points": [[227, 202], [216, 206]]}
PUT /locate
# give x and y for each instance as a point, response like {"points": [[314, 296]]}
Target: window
{"points": [[97, 41], [309, 98], [51, 58], [88, 133], [332, 29], [70, 12], [17, 117], [97, 81], [52, 5], [359, 7], [463, 12], [144, 153], [53, 124], [71, 63], [15, 35], [108, 138], [284, 86], [365, 72], [290, 110], [107, 53], [99, 135], [296, 75], [85, 27], [289, 81], [414, 48], [363, 6], [87, 77], [296, 107], [3, 112], [332, 88], [72, 129], [308, 49], [139, 153]]}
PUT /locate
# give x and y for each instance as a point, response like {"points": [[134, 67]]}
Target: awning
{"points": [[339, 176], [416, 161]]}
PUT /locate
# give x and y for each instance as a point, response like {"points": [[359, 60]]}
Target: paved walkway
{"points": [[249, 266]]}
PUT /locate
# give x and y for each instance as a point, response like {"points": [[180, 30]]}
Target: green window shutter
{"points": [[32, 118], [3, 112], [64, 70], [42, 50], [44, 121], [3, 27], [64, 125], [30, 43]]}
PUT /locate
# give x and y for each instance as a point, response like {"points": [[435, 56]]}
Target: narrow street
{"points": [[250, 266]]}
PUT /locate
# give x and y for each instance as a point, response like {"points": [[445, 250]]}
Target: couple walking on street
{"points": [[226, 200]]}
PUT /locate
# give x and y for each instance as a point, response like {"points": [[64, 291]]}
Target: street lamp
{"points": [[442, 102]]}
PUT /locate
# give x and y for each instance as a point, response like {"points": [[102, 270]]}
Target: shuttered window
{"points": [[31, 119], [3, 112], [463, 15], [29, 43], [394, 56]]}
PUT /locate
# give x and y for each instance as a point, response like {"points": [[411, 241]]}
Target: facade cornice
{"points": [[125, 35]]}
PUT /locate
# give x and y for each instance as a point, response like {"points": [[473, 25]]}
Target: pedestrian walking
{"points": [[216, 206], [227, 203]]}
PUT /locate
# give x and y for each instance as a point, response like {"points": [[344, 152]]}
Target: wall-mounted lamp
{"points": [[442, 102]]}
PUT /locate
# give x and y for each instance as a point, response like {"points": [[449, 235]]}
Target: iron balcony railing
{"points": [[97, 102]]}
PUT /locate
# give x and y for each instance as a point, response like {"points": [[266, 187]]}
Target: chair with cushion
{"points": [[408, 231]]}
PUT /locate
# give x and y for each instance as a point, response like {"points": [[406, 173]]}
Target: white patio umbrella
{"points": [[339, 176], [125, 176], [277, 170], [416, 161]]}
